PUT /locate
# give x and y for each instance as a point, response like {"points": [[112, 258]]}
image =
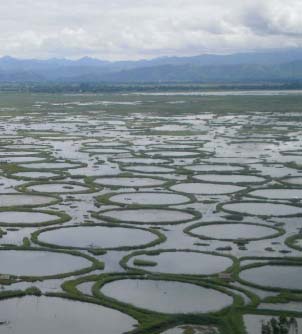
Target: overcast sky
{"points": [[134, 29]]}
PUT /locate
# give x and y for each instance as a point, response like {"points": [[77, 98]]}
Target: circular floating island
{"points": [[141, 161], [17, 153], [166, 296], [173, 154], [99, 237], [129, 182], [214, 168], [29, 315], [149, 169], [35, 263], [294, 241], [52, 165], [296, 180], [283, 276], [21, 160], [56, 188], [148, 216], [161, 147], [149, 198], [12, 200], [29, 218], [105, 144], [262, 209], [105, 151], [230, 231], [277, 193], [229, 178], [243, 159], [181, 262], [27, 147], [36, 175], [206, 188]]}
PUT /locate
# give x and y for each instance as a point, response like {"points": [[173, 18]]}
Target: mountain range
{"points": [[269, 66]]}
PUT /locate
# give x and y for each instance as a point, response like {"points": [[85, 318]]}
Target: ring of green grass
{"points": [[195, 154], [188, 230], [196, 215], [57, 176], [29, 168], [125, 261], [160, 238], [243, 168], [91, 188], [95, 264], [127, 168], [283, 186], [291, 242], [271, 262], [290, 185], [148, 321], [55, 200], [244, 184], [220, 207], [166, 161], [165, 183], [162, 277], [62, 217], [99, 144], [106, 199]]}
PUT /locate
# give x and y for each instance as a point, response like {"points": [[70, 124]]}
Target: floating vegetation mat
{"points": [[30, 315], [39, 263], [20, 200], [149, 198], [263, 209], [214, 168], [167, 296], [151, 213], [129, 182], [275, 276], [277, 193], [229, 178], [35, 175], [98, 237], [181, 262], [233, 231], [56, 188], [206, 188], [31, 218], [148, 216]]}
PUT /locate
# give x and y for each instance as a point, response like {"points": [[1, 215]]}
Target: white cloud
{"points": [[132, 29]]}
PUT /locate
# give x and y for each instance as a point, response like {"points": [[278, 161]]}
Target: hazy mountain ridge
{"points": [[242, 67]]}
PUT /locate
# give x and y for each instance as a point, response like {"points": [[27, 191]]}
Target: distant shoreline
{"points": [[181, 88]]}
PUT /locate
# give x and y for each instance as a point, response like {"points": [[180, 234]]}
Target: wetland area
{"points": [[149, 213]]}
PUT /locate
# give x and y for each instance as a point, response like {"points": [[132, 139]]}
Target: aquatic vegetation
{"points": [[193, 209]]}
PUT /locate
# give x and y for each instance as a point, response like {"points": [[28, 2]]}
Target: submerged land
{"points": [[151, 211]]}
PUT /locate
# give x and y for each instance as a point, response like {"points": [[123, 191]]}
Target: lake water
{"points": [[124, 165], [167, 296]]}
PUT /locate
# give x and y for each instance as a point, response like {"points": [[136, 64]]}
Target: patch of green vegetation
{"points": [[62, 217], [293, 240], [95, 264], [144, 263], [159, 238], [26, 242], [195, 215], [188, 230], [151, 322]]}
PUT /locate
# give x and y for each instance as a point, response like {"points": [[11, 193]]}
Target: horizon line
{"points": [[261, 51]]}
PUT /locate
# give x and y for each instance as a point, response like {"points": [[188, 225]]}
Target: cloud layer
{"points": [[133, 29]]}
